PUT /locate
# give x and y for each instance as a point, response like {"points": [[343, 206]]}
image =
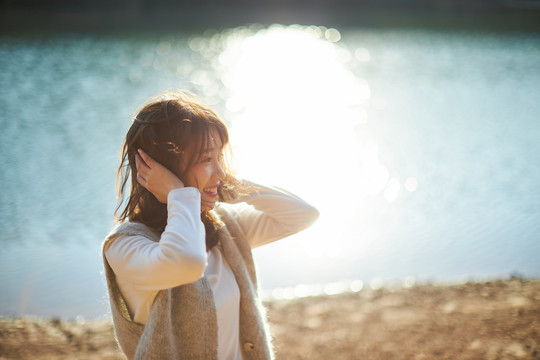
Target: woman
{"points": [[179, 268]]}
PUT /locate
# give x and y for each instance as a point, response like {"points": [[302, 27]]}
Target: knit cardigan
{"points": [[182, 322]]}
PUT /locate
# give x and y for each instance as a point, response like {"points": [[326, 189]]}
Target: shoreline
{"points": [[497, 319], [107, 21]]}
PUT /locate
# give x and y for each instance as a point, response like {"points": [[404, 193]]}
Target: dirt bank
{"points": [[492, 320]]}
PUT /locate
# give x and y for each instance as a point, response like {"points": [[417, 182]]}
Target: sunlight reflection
{"points": [[305, 290], [392, 190], [311, 95], [299, 118], [296, 113]]}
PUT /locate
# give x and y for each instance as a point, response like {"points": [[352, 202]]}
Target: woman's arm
{"points": [[178, 258], [268, 214]]}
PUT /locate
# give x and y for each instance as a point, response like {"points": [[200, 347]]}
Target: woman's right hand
{"points": [[155, 177]]}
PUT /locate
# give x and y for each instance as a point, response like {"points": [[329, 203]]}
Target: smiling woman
{"points": [[179, 261], [187, 147]]}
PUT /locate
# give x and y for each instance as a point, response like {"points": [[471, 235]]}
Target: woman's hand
{"points": [[155, 177]]}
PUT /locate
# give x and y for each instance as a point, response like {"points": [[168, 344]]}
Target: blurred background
{"points": [[412, 125]]}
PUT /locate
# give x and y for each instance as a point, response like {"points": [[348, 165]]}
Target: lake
{"points": [[419, 147]]}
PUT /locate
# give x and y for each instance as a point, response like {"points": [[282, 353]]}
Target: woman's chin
{"points": [[207, 205]]}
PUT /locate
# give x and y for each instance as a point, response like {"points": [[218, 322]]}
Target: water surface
{"points": [[420, 149]]}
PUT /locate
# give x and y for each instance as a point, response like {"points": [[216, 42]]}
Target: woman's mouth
{"points": [[211, 191]]}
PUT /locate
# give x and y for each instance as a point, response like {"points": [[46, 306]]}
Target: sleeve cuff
{"points": [[183, 194]]}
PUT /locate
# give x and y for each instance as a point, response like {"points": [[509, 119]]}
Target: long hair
{"points": [[173, 129]]}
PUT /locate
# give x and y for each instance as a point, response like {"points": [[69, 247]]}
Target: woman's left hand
{"points": [[155, 177]]}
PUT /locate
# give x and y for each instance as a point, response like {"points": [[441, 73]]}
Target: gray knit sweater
{"points": [[182, 323]]}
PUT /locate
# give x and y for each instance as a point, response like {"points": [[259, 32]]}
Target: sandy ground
{"points": [[494, 321]]}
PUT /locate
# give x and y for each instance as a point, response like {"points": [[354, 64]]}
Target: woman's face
{"points": [[206, 173]]}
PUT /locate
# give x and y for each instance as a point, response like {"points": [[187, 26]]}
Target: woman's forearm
{"points": [[271, 213], [178, 258]]}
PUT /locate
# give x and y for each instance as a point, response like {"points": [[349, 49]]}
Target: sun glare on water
{"points": [[298, 120]]}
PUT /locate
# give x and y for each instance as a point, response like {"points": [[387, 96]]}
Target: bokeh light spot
{"points": [[411, 184], [135, 75], [409, 281], [356, 285], [332, 35], [146, 59], [163, 48], [336, 288], [376, 283], [362, 55]]}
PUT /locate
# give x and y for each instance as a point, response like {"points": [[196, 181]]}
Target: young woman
{"points": [[179, 268]]}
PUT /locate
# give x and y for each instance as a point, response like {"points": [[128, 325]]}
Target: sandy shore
{"points": [[492, 320]]}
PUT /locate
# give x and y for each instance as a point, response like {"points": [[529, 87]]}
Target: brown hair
{"points": [[172, 128]]}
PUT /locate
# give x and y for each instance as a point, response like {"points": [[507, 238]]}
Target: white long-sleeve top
{"points": [[144, 267]]}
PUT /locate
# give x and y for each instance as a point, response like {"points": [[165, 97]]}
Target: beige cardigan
{"points": [[182, 323]]}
